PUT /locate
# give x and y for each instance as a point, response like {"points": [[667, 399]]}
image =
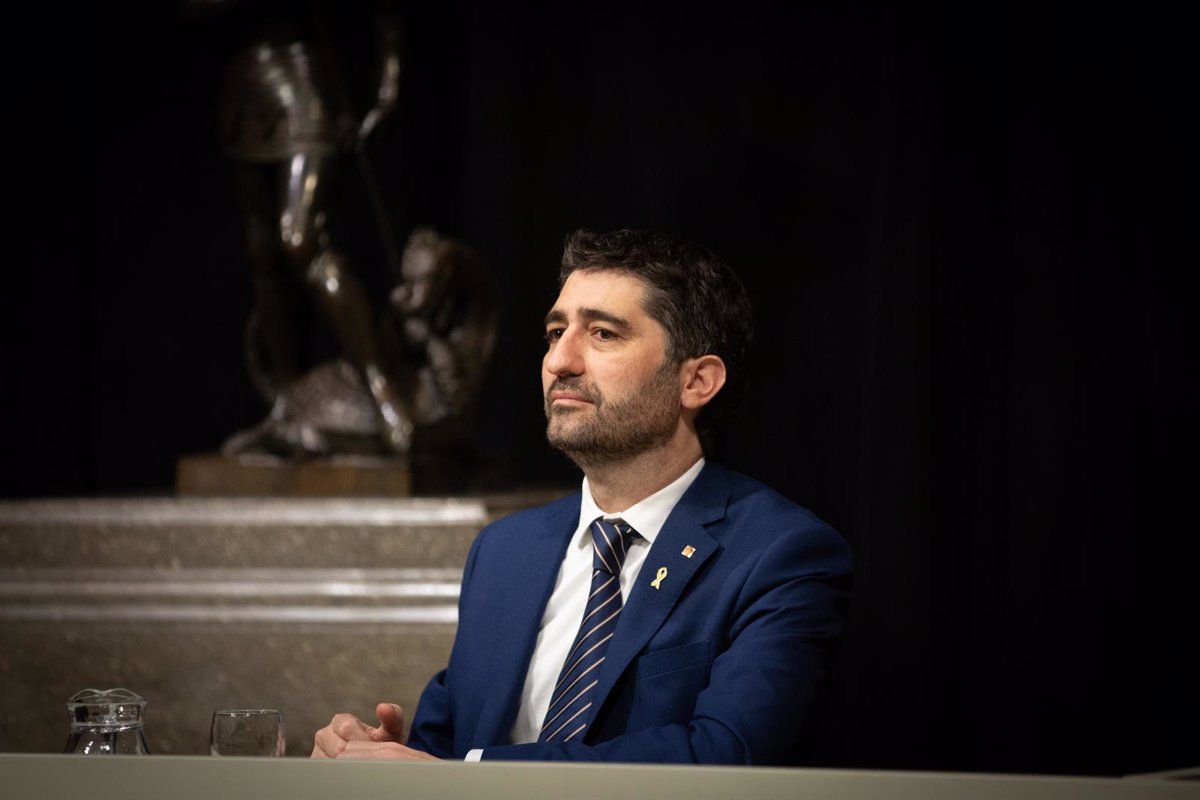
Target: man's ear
{"points": [[700, 379]]}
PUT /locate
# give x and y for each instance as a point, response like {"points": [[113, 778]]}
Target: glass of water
{"points": [[247, 732]]}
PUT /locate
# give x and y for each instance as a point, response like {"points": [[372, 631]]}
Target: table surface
{"points": [[186, 777]]}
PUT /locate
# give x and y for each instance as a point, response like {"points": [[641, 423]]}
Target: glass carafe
{"points": [[106, 722]]}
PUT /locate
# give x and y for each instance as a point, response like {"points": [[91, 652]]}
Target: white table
{"points": [[185, 777]]}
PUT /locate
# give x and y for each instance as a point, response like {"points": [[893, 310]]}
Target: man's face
{"points": [[609, 391]]}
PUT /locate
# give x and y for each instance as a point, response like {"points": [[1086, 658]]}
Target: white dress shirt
{"points": [[564, 609]]}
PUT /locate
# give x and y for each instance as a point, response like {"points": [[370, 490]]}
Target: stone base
{"points": [[214, 475], [308, 605]]}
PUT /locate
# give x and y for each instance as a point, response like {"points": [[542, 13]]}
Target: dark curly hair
{"points": [[692, 293]]}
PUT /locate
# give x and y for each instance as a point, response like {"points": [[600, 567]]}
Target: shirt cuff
{"points": [[474, 755]]}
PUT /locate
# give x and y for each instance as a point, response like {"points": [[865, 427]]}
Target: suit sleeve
{"points": [[764, 685], [432, 727]]}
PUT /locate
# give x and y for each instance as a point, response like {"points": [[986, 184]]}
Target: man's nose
{"points": [[565, 356]]}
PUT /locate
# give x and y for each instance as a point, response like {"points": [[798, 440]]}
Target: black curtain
{"points": [[973, 350]]}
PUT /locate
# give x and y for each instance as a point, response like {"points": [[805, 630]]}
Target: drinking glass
{"points": [[247, 732]]}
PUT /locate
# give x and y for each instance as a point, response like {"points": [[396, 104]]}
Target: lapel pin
{"points": [[658, 579], [688, 551]]}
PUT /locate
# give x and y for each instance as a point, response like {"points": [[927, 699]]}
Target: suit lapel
{"points": [[648, 606], [523, 593]]}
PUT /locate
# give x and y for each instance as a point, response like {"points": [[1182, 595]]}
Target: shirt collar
{"points": [[645, 516]]}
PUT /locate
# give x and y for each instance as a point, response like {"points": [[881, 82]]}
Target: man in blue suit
{"points": [[672, 611]]}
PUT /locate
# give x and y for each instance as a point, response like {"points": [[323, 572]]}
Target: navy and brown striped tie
{"points": [[571, 702]]}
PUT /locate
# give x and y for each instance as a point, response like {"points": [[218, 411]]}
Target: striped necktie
{"points": [[570, 703]]}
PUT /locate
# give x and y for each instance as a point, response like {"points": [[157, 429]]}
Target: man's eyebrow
{"points": [[588, 315], [596, 315]]}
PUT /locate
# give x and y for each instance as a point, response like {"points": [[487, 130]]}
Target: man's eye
{"points": [[603, 334], [554, 334]]}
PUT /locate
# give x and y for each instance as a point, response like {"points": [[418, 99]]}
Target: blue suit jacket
{"points": [[721, 665]]}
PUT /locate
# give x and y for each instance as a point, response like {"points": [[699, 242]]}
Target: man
{"points": [[673, 611]]}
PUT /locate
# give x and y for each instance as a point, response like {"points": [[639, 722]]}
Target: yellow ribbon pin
{"points": [[658, 579]]}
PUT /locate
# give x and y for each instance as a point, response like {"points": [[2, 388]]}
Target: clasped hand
{"points": [[348, 737]]}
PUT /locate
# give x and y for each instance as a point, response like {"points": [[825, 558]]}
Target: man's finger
{"points": [[391, 723], [350, 727], [327, 744], [317, 751]]}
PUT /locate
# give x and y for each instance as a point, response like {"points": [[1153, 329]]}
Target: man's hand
{"points": [[382, 751], [347, 736]]}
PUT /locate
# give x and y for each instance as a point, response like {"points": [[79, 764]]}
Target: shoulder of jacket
{"points": [[520, 521]]}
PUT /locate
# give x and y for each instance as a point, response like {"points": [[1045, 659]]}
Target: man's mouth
{"points": [[561, 396], [568, 397]]}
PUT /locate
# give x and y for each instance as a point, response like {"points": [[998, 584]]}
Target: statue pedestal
{"points": [[306, 604], [215, 475]]}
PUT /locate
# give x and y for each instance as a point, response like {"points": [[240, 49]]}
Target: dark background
{"points": [[974, 340]]}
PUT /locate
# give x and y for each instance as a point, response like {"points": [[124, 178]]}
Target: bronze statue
{"points": [[287, 123]]}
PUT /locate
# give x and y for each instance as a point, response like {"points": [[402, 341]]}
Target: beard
{"points": [[615, 430]]}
